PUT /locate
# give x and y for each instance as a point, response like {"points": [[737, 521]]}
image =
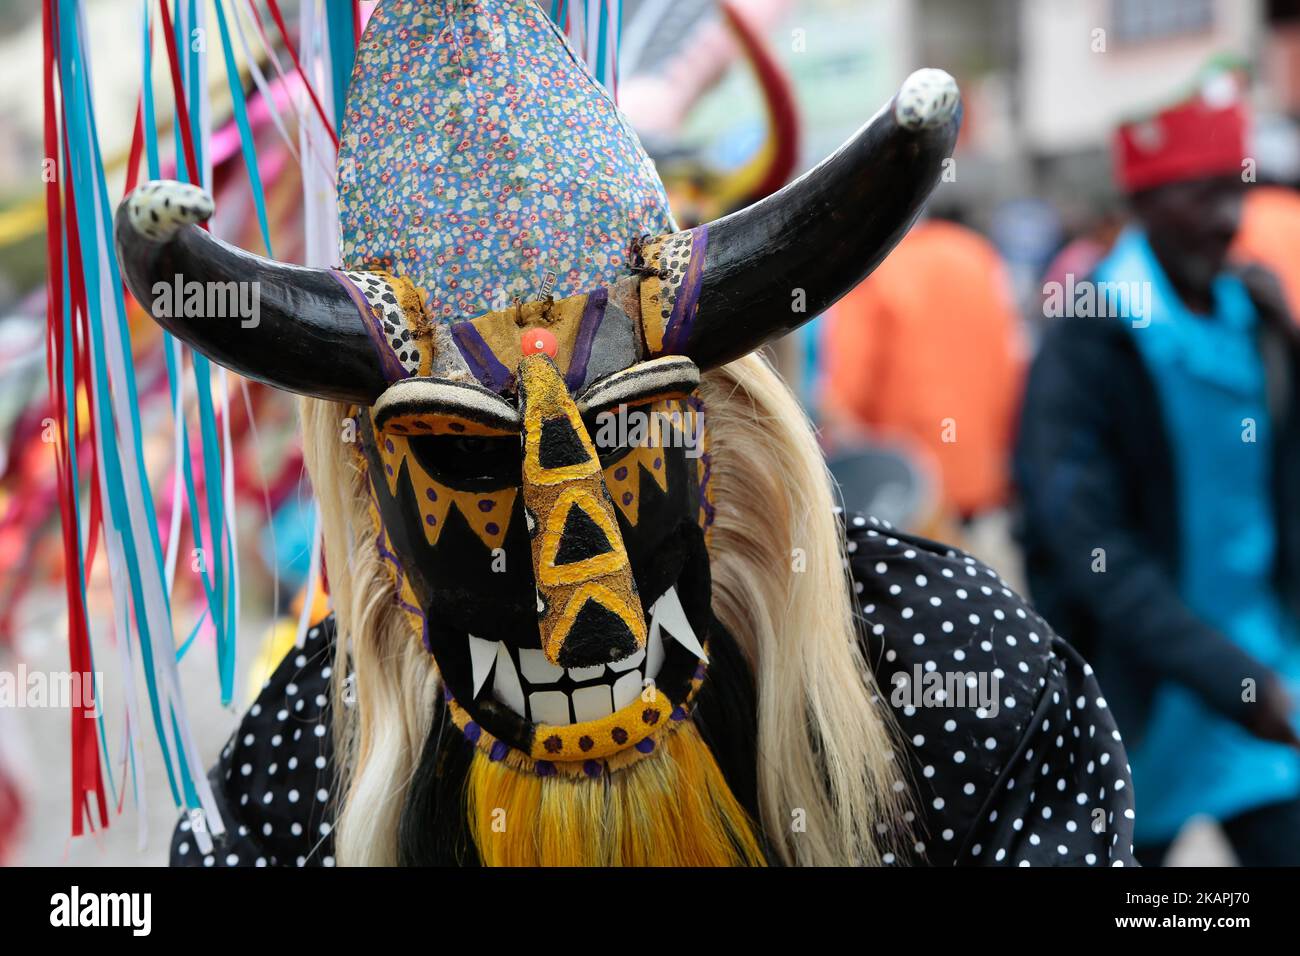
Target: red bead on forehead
{"points": [[533, 341]]}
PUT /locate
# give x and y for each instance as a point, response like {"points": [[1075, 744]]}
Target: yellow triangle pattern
{"points": [[623, 477]]}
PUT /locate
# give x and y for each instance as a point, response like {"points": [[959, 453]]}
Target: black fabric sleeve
{"points": [[1013, 757], [1073, 493], [274, 781]]}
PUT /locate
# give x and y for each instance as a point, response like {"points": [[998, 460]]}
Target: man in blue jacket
{"points": [[1159, 464]]}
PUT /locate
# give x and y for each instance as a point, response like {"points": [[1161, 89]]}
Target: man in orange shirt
{"points": [[929, 351], [1270, 236]]}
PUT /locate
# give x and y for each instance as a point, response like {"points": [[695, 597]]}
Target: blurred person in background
{"points": [[928, 352], [1270, 236], [1159, 463], [1079, 256], [1270, 221]]}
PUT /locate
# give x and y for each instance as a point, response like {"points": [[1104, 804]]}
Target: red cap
{"points": [[1200, 137]]}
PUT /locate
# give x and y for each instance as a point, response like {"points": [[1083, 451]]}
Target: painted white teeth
{"points": [[627, 663], [491, 659], [537, 668], [626, 688], [670, 616], [654, 650], [591, 703], [506, 684], [482, 655], [549, 707]]}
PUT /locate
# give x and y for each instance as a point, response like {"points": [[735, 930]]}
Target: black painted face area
{"points": [[448, 473]]}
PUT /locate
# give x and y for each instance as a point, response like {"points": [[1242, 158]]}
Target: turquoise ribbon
{"points": [[343, 51], [87, 175], [246, 142]]}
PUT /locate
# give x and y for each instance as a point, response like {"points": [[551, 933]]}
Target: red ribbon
{"points": [[178, 91], [87, 779], [320, 110]]}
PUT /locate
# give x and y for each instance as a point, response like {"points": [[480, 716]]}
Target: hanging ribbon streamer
{"points": [[245, 129], [61, 360], [341, 26], [269, 97], [318, 143], [293, 54], [214, 564], [594, 29], [90, 351], [96, 400]]}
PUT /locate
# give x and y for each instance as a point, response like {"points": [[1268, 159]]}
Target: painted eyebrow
{"points": [[669, 373], [415, 396]]}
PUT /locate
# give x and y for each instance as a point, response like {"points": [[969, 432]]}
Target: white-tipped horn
{"points": [[927, 99]]}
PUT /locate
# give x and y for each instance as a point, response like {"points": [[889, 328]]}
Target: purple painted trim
{"points": [[390, 557], [696, 404], [487, 368], [392, 368], [688, 296], [592, 316]]}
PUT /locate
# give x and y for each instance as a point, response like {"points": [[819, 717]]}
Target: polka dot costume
{"points": [[1013, 757], [273, 783], [1008, 750]]}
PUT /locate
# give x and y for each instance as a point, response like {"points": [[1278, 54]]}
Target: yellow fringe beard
{"points": [[671, 809]]}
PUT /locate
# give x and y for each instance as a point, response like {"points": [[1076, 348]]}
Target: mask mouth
{"points": [[522, 680]]}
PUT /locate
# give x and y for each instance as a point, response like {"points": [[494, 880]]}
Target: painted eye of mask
{"points": [[469, 462], [650, 396]]}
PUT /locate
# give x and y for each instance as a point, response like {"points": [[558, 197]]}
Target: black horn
{"points": [[776, 264], [304, 333]]}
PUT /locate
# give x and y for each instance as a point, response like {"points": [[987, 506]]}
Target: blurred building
{"points": [[1045, 82], [1086, 64]]}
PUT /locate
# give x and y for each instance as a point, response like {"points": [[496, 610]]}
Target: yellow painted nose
{"points": [[587, 600]]}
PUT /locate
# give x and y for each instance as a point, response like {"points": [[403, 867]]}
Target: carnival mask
{"points": [[520, 332]]}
